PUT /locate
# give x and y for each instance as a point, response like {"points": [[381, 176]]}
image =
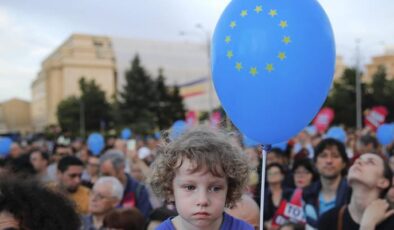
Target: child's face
{"points": [[199, 197]]}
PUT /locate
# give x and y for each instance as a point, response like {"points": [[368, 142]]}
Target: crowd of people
{"points": [[203, 179]]}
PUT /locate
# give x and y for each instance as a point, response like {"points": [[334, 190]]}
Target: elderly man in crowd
{"points": [[106, 195], [112, 163]]}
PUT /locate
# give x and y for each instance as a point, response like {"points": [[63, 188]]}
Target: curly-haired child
{"points": [[201, 173]]}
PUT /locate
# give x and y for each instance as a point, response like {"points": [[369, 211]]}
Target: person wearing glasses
{"points": [[106, 195]]}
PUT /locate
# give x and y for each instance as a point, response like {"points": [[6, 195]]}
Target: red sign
{"points": [[215, 119], [191, 118], [375, 117], [290, 211], [323, 119]]}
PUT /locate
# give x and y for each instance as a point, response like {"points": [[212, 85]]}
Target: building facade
{"points": [[15, 116], [386, 60], [90, 57]]}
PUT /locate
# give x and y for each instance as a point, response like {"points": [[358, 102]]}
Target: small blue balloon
{"points": [[177, 129], [385, 134], [249, 143], [272, 65], [5, 146], [96, 143], [336, 133], [126, 133]]}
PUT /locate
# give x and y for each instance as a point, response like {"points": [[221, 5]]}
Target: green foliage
{"points": [[343, 96], [136, 104], [95, 105], [92, 104], [68, 114], [146, 104]]}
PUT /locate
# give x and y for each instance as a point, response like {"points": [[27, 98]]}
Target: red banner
{"points": [[215, 119], [191, 118], [323, 119], [375, 117], [290, 211]]}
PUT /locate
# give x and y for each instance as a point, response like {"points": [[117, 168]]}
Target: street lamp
{"points": [[358, 87]]}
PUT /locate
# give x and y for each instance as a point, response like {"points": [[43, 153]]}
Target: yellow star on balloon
{"points": [[230, 54], [227, 39], [244, 13], [253, 71], [283, 24], [273, 13], [233, 24], [282, 55], [258, 9], [286, 39], [238, 66], [269, 67]]}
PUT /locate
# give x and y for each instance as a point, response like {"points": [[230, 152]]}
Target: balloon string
{"points": [[265, 150]]}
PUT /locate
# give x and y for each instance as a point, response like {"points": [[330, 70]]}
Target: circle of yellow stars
{"points": [[286, 40]]}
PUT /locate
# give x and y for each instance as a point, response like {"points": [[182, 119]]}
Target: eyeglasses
{"points": [[273, 173], [99, 196], [302, 173]]}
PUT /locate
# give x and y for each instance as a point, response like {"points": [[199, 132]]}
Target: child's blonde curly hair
{"points": [[204, 147]]}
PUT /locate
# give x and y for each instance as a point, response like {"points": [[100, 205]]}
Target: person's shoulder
{"points": [[166, 225], [231, 222], [83, 190], [386, 224], [329, 219]]}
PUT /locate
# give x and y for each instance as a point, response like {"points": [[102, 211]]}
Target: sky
{"points": [[30, 30]]}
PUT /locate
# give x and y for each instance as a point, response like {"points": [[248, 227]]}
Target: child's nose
{"points": [[202, 199]]}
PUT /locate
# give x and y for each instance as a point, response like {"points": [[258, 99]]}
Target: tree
{"points": [[68, 114], [343, 98], [381, 91], [176, 104], [163, 109], [97, 110], [137, 100], [92, 103]]}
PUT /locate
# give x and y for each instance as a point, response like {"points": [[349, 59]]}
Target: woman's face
{"points": [[302, 177], [274, 175]]}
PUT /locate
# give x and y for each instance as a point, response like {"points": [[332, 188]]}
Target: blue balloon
{"points": [[157, 135], [282, 145], [249, 143], [336, 133], [385, 134], [126, 133], [272, 65], [5, 146], [177, 129], [96, 143]]}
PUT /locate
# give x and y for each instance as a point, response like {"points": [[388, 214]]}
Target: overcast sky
{"points": [[31, 29]]}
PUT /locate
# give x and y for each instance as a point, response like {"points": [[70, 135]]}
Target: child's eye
{"points": [[215, 188], [189, 187]]}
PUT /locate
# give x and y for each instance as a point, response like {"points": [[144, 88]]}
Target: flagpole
{"points": [[265, 150]]}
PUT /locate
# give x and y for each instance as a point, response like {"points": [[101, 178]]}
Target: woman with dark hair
{"points": [[304, 173], [370, 178], [26, 204], [275, 192]]}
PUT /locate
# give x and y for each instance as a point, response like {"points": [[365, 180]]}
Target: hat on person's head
{"points": [[144, 152]]}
